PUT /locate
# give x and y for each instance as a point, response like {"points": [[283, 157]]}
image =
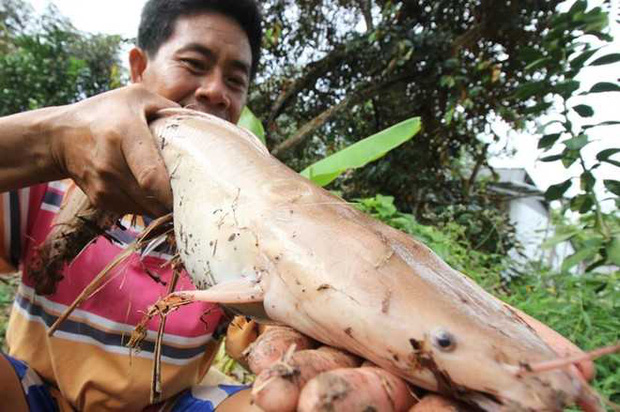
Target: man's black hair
{"points": [[159, 17]]}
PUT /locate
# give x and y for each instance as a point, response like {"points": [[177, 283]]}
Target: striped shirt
{"points": [[87, 358]]}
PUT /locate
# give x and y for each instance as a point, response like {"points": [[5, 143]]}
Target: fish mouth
{"points": [[491, 400], [479, 401]]}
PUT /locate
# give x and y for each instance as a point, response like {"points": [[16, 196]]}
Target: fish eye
{"points": [[443, 340]]}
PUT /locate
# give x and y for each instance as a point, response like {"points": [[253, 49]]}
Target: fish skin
{"points": [[244, 219]]}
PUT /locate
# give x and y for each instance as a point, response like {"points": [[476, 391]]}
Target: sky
{"points": [[122, 17], [109, 17]]}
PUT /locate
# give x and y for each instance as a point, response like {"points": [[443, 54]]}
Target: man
{"points": [[200, 54], [193, 53]]}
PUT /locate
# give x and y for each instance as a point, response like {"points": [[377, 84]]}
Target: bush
{"points": [[583, 308]]}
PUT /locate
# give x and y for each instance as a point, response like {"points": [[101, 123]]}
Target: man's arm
{"points": [[102, 143], [25, 148]]}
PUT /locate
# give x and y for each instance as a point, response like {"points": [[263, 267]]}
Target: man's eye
{"points": [[237, 81], [194, 65]]}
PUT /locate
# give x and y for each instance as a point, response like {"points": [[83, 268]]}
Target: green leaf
{"points": [[613, 251], [555, 192], [539, 108], [361, 153], [613, 186], [569, 157], [529, 54], [535, 65], [579, 7], [584, 110], [552, 158], [577, 142], [559, 238], [604, 156], [578, 257], [608, 59], [577, 62], [548, 140], [449, 115], [605, 87], [527, 90], [582, 203], [607, 123], [566, 89], [252, 123], [447, 81], [587, 181], [612, 162]]}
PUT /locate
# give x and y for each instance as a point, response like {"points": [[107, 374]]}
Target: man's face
{"points": [[204, 65]]}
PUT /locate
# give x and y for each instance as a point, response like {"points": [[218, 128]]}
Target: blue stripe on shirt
{"points": [[111, 339]]}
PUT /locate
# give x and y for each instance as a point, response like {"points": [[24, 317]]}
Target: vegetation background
{"points": [[351, 68]]}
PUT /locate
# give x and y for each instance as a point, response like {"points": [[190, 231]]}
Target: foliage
{"points": [[486, 229], [45, 61], [594, 235], [361, 153], [562, 54], [450, 241], [585, 309], [362, 66], [250, 122], [8, 284]]}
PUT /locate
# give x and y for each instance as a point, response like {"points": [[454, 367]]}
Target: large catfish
{"points": [[256, 236]]}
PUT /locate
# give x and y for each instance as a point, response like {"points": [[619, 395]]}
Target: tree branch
{"points": [[366, 8], [469, 38], [313, 72], [482, 156], [368, 90]]}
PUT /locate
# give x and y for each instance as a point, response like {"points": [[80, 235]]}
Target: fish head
{"points": [[493, 377], [482, 357], [470, 345]]}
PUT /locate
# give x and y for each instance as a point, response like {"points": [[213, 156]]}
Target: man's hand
{"points": [[285, 378], [103, 143], [105, 146]]}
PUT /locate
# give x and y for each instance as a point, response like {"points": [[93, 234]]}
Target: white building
{"points": [[529, 213]]}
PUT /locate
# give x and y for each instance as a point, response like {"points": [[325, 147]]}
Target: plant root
{"points": [[75, 227], [156, 385], [162, 308], [159, 227]]}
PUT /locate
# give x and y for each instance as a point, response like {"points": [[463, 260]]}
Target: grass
{"points": [[8, 284], [584, 308]]}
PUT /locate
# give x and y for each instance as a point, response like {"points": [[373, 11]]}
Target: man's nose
{"points": [[213, 91]]}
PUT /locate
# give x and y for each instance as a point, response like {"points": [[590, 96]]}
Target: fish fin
{"points": [[233, 292], [254, 310]]}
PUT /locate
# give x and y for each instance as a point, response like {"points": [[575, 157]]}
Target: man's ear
{"points": [[138, 60]]}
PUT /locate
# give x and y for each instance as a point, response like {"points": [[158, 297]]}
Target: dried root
{"points": [[75, 226], [161, 308], [158, 228]]}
